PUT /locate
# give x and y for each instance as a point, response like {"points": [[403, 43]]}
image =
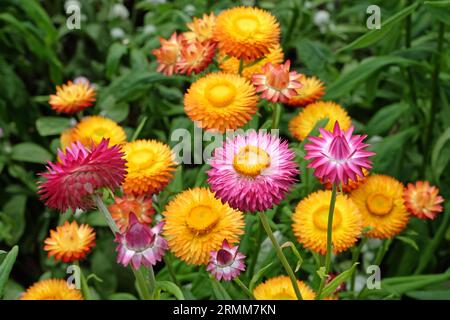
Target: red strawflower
{"points": [[79, 173]]}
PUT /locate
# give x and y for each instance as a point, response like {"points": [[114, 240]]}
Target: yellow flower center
{"points": [[140, 159], [246, 25], [320, 218], [201, 219], [250, 161], [99, 133], [69, 240], [220, 95], [284, 295], [379, 204]]}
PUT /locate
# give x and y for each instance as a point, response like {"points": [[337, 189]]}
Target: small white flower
{"points": [[156, 1], [322, 20], [117, 33], [119, 11], [149, 29], [189, 9]]}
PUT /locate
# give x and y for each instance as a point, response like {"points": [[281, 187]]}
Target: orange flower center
{"points": [[246, 25], [320, 218], [201, 219], [278, 77], [379, 204], [170, 54], [140, 159], [251, 160], [424, 199], [220, 95]]}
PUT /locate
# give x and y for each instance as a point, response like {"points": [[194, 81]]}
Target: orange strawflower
{"points": [[169, 54], [246, 32], [52, 289], [196, 56], [122, 207], [201, 29], [312, 89], [277, 83], [423, 200], [70, 242], [72, 97]]}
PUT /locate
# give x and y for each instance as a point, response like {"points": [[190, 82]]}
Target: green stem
{"points": [[430, 250], [151, 277], [241, 66], [84, 285], [244, 288], [276, 116], [143, 288], [102, 208], [355, 257], [173, 276], [412, 89], [139, 129], [251, 267], [293, 22], [382, 252], [280, 254], [329, 238], [434, 100]]}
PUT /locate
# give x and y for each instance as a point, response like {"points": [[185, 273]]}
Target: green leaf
{"points": [[342, 277], [409, 242], [258, 276], [14, 211], [6, 267], [384, 149], [430, 295], [170, 287], [385, 118], [376, 35], [401, 285], [116, 52], [439, 10], [219, 291], [48, 126], [30, 152], [351, 79], [440, 159], [296, 253], [122, 296]]}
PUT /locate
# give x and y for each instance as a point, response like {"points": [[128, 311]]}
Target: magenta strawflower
{"points": [[252, 172], [338, 156], [140, 244], [79, 173], [226, 263]]}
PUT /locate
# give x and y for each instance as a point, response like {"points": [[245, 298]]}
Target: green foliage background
{"points": [[394, 82]]}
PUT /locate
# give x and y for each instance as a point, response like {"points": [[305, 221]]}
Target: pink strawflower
{"points": [[140, 244], [276, 82], [79, 173], [252, 172], [338, 156], [226, 263]]}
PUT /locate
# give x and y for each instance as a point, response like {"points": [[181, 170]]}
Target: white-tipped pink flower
{"points": [[252, 172], [277, 83], [140, 244], [226, 263], [338, 156]]}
